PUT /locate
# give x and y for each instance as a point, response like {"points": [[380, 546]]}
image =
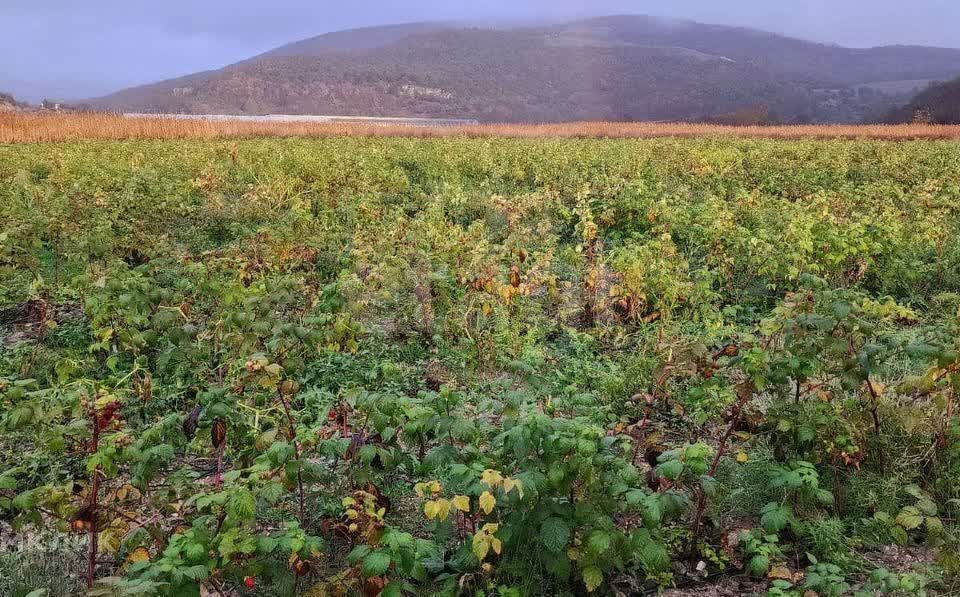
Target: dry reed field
{"points": [[43, 128]]}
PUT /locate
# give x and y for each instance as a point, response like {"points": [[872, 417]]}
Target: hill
{"points": [[617, 68], [937, 104]]}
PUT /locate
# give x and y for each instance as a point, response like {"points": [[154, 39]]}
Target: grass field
{"points": [[364, 365], [47, 127]]}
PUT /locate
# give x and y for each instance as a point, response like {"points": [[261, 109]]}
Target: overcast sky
{"points": [[74, 48]]}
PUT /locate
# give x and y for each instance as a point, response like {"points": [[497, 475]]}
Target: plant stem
{"points": [[94, 514], [301, 499], [874, 405], [745, 392]]}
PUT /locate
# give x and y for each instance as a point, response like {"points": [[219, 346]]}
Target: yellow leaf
{"points": [[127, 491], [443, 508], [430, 509], [462, 503], [108, 541], [429, 486], [487, 502], [592, 578], [496, 545], [742, 457], [480, 546], [491, 477], [511, 484], [352, 514], [490, 528], [781, 572], [140, 554]]}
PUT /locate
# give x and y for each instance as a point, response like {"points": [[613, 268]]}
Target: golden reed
{"points": [[19, 127]]}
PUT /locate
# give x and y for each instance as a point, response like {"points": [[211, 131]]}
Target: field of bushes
{"points": [[488, 366]]}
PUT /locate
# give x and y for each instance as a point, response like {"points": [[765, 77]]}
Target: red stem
{"points": [[296, 448], [874, 405], [745, 391], [94, 515]]}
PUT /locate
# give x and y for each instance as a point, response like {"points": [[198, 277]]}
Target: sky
{"points": [[80, 49]]}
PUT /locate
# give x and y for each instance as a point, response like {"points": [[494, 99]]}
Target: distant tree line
{"points": [[937, 104]]}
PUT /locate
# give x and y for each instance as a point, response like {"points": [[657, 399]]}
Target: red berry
{"points": [[248, 580]]}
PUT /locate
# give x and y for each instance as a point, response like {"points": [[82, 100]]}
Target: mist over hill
{"points": [[607, 68]]}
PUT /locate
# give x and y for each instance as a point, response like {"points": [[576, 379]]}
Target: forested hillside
{"points": [[611, 68], [939, 104]]}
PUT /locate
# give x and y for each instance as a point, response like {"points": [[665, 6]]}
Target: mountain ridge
{"points": [[601, 68]]}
